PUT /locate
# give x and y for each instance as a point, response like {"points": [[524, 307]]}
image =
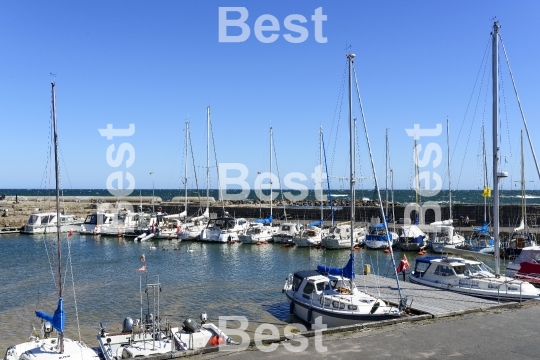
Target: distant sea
{"points": [[400, 196]]}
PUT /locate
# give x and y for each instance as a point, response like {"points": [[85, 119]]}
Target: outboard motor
{"points": [[127, 325], [47, 329], [204, 318], [190, 325]]}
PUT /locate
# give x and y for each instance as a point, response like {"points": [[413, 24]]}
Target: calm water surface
{"points": [[220, 279]]}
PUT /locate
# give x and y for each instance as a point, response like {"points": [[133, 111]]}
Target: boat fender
{"points": [[375, 307], [291, 308]]}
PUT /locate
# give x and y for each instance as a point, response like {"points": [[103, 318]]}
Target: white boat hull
{"points": [[47, 349]]}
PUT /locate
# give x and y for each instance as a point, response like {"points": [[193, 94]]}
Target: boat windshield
{"points": [[285, 227], [470, 269], [33, 220], [529, 256], [47, 219]]}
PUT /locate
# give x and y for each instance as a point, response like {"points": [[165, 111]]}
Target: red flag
{"points": [[70, 233], [141, 269], [403, 265]]}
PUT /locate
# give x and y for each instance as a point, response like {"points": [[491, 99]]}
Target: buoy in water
{"points": [[259, 243], [386, 251], [356, 247], [422, 252], [287, 245], [266, 242]]}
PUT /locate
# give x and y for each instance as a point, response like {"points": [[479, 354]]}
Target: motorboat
{"points": [[286, 232], [526, 266], [376, 238], [224, 229], [257, 233], [93, 222], [45, 223], [339, 236], [412, 238], [309, 236], [469, 277], [443, 234]]}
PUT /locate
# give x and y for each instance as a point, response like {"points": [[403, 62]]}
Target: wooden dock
{"points": [[422, 299]]}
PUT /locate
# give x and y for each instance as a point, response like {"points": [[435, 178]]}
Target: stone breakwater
{"points": [[14, 212]]}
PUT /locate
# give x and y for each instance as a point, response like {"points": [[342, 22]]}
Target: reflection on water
{"points": [[220, 279]]}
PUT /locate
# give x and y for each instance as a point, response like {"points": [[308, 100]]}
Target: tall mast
{"points": [[416, 175], [523, 199], [352, 150], [386, 168], [484, 156], [321, 163], [271, 199], [207, 157], [186, 168], [58, 222], [495, 73], [449, 179]]}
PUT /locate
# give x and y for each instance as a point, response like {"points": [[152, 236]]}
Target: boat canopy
{"points": [[529, 254], [412, 231], [316, 223], [428, 259], [347, 271], [268, 220], [482, 230], [444, 222]]}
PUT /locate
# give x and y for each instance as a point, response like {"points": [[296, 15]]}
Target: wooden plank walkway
{"points": [[423, 299]]}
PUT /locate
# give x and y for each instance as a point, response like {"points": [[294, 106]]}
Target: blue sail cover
{"points": [[316, 223], [268, 220], [347, 271], [58, 320], [483, 230]]}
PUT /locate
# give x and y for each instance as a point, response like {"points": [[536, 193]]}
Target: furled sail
{"points": [[58, 320]]}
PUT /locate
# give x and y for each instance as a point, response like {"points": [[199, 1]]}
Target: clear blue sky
{"points": [[157, 64]]}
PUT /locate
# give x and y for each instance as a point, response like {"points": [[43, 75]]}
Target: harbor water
{"points": [[220, 279]]}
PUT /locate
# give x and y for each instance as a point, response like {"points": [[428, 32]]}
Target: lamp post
{"points": [[152, 173]]}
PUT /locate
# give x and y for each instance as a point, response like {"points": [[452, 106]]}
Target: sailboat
{"points": [[262, 230], [377, 237], [443, 233], [192, 230], [520, 237], [314, 232], [46, 345], [473, 277], [222, 229], [328, 295]]}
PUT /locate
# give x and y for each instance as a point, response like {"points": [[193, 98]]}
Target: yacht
{"points": [[310, 236], [469, 277], [257, 233], [339, 236], [526, 266], [45, 223], [286, 232], [443, 234], [378, 239], [224, 229], [412, 238]]}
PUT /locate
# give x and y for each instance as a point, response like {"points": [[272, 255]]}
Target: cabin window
{"points": [[353, 307], [285, 228], [321, 286], [296, 284], [308, 289], [444, 270], [46, 219], [460, 269], [327, 302], [337, 304], [33, 219], [241, 222]]}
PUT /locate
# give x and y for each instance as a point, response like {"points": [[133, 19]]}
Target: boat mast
{"points": [[58, 222], [321, 169], [386, 168], [449, 185], [523, 199], [207, 157], [352, 151], [271, 199], [494, 72], [484, 155], [416, 172], [186, 168]]}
